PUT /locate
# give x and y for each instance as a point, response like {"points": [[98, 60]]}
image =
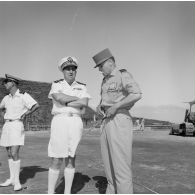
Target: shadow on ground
{"points": [[101, 184], [78, 183], [30, 172]]}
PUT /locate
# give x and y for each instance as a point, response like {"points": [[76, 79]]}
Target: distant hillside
{"points": [[39, 91], [152, 122], [42, 117], [169, 113]]}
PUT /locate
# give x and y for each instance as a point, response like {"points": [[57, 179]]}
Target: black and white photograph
{"points": [[97, 97]]}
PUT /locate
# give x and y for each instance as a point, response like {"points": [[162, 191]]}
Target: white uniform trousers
{"points": [[12, 134], [116, 148], [66, 133]]}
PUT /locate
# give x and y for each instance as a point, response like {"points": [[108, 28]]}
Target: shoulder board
{"points": [[22, 92], [57, 81], [81, 83], [123, 70]]}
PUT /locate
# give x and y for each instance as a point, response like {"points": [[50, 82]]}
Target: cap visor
{"points": [[96, 66], [62, 68]]}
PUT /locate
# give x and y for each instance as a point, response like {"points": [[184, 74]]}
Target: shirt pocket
{"points": [[112, 87]]}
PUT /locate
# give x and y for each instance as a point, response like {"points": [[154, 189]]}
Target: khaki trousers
{"points": [[116, 149]]}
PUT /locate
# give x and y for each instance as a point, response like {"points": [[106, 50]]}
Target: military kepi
{"points": [[102, 56], [9, 77]]}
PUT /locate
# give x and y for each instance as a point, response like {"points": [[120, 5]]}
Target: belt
{"points": [[120, 110], [104, 108], [11, 120], [69, 114]]}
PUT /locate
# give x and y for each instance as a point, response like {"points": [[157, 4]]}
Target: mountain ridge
{"points": [[40, 90], [170, 113]]}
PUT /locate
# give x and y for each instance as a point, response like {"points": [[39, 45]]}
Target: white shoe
{"points": [[8, 182], [17, 187]]}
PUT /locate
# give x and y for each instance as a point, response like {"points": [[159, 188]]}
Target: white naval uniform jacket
{"points": [[75, 89]]}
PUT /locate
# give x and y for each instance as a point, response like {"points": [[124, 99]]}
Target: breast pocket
{"points": [[112, 87], [77, 92]]}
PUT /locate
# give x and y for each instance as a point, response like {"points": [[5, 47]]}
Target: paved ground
{"points": [[162, 163]]}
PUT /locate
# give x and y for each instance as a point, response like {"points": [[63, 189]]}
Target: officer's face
{"points": [[106, 67], [8, 85], [70, 73]]}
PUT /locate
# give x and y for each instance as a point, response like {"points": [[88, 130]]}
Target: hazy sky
{"points": [[155, 41]]}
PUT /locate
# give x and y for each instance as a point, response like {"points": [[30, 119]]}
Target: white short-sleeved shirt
{"points": [[15, 106], [76, 89]]}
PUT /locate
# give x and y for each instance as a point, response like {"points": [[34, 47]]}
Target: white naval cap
{"points": [[67, 61]]}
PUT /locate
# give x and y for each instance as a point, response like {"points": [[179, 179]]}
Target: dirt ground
{"points": [[162, 163]]}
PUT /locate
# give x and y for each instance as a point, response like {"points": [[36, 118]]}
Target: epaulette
{"points": [[123, 70], [57, 81], [81, 83], [22, 92]]}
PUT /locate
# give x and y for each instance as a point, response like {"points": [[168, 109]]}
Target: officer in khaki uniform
{"points": [[119, 92]]}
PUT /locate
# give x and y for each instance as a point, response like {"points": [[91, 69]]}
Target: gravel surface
{"points": [[162, 163]]}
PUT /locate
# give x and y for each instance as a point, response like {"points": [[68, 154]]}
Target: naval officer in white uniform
{"points": [[16, 106], [69, 98]]}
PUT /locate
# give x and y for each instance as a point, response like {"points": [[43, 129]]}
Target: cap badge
{"points": [[70, 60]]}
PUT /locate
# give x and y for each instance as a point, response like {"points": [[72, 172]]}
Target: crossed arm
{"points": [[71, 101]]}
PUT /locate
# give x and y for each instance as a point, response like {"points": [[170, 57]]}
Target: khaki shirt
{"points": [[117, 86], [16, 105]]}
